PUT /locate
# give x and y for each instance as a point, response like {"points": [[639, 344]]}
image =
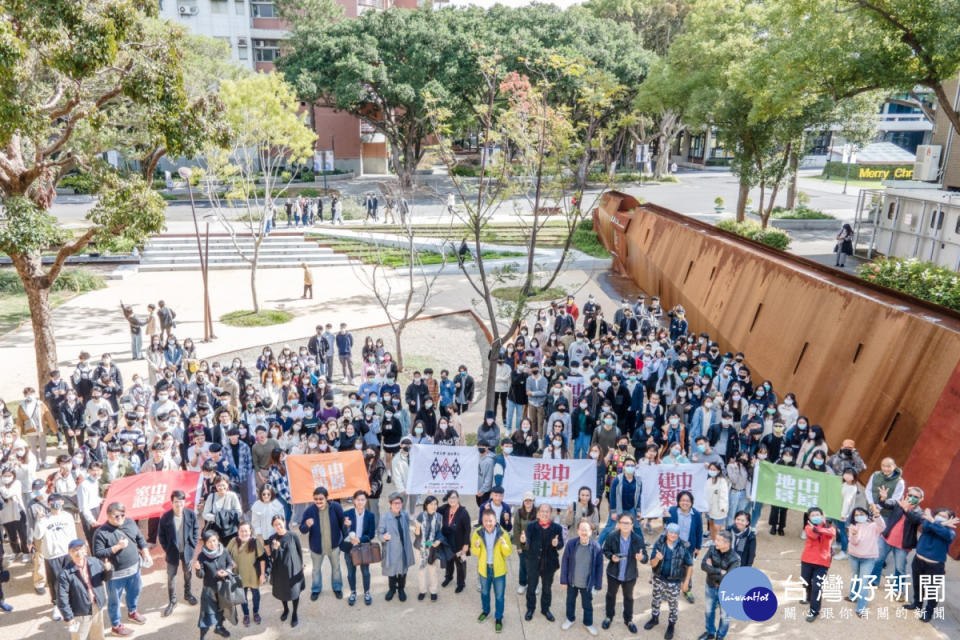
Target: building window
{"points": [[696, 147], [891, 210], [821, 143], [219, 6], [240, 7], [263, 9], [242, 48], [266, 50]]}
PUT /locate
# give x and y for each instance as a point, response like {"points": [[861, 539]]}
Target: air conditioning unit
{"points": [[242, 42], [927, 166], [184, 10]]}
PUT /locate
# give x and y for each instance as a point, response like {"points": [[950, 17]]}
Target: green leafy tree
{"points": [[380, 66], [843, 48], [267, 134], [63, 66]]}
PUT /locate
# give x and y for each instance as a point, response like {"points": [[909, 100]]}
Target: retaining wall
{"points": [[865, 362]]}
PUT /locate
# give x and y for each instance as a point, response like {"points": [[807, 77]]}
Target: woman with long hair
{"points": [[250, 558]]}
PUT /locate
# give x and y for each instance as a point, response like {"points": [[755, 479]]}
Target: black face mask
{"points": [[622, 447]]}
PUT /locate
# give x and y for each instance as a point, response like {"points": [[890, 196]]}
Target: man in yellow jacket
{"points": [[491, 545]]}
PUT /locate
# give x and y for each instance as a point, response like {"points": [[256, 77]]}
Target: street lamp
{"points": [[186, 173], [849, 158]]}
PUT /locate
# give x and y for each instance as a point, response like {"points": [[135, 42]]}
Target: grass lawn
{"points": [[14, 309], [512, 294], [264, 318], [852, 182], [368, 253], [586, 240]]}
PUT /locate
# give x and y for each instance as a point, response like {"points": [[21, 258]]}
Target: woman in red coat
{"points": [[816, 557]]}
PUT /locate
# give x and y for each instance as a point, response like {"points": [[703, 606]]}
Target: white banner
{"points": [[554, 482], [662, 483], [438, 468]]}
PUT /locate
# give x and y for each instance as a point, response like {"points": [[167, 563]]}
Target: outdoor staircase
{"points": [[279, 250]]}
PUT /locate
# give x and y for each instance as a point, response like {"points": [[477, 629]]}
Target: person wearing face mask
{"points": [[778, 515], [536, 390], [846, 457], [400, 471], [717, 491], [70, 419], [775, 441], [582, 425], [723, 437], [488, 433], [554, 448], [463, 389], [738, 472], [524, 440], [608, 435], [938, 533], [52, 535], [863, 529], [34, 420], [813, 444], [625, 492], [900, 534], [815, 559], [13, 512]]}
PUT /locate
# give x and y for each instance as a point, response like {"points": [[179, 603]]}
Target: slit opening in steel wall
{"points": [[689, 268], [800, 358], [893, 423], [857, 354], [712, 272], [755, 316]]}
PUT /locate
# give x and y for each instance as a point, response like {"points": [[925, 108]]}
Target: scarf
{"points": [[213, 555]]}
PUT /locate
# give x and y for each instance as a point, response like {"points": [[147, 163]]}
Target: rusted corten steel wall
{"points": [[865, 362]]}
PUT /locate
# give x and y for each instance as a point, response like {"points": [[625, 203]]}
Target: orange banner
{"points": [[341, 473]]}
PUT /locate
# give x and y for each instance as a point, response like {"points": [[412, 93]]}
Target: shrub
{"points": [[264, 318], [923, 280], [512, 294], [771, 237], [585, 239], [81, 183], [75, 280], [801, 212], [306, 175], [159, 184], [717, 162], [802, 198], [464, 171], [309, 192]]}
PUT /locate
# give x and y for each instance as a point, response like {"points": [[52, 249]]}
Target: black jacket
{"points": [[457, 532], [167, 536], [611, 547], [71, 417], [541, 556], [318, 347], [720, 564], [467, 382], [913, 519], [517, 393], [73, 599], [733, 440], [108, 535]]}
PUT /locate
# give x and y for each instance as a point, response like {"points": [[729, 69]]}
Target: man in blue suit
{"points": [[359, 526]]}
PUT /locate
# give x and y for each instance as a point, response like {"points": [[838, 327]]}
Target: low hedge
{"points": [[923, 280], [895, 171], [81, 183], [801, 212], [770, 236]]}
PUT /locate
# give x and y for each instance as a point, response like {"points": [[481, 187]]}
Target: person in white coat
{"points": [[400, 472]]}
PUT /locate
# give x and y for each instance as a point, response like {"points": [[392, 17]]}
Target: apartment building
{"points": [[255, 34]]}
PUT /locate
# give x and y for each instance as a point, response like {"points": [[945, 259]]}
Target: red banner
{"points": [[147, 495], [340, 473]]}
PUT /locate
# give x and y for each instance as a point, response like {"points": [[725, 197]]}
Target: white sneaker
{"points": [[56, 615], [593, 630], [566, 624], [521, 590], [24, 558], [840, 556]]}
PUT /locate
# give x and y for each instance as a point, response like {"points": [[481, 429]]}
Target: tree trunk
{"points": [[398, 348], [742, 196], [792, 184], [30, 269], [765, 213], [663, 156], [253, 275], [491, 396]]}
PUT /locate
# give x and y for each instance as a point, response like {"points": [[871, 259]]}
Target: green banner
{"points": [[798, 488]]}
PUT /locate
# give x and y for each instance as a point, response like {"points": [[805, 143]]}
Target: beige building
{"points": [[949, 140]]}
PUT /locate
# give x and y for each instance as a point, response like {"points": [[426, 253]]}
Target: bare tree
{"points": [[402, 292], [529, 153]]}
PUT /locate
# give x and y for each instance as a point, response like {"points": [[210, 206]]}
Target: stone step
{"points": [[195, 266], [291, 258], [224, 252]]}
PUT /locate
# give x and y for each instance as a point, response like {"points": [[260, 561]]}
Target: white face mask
{"points": [[595, 454]]}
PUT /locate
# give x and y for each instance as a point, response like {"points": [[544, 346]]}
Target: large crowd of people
{"points": [[635, 387]]}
